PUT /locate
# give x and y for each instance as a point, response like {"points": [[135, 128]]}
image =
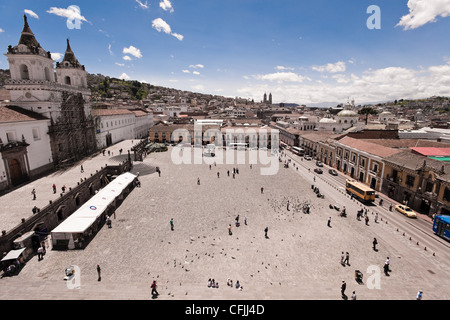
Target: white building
{"points": [[24, 146], [59, 94], [344, 120], [115, 125]]}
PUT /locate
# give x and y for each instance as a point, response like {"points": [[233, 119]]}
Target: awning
{"points": [[13, 254]]}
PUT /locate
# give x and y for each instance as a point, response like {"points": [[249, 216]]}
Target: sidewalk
{"points": [[19, 203]]}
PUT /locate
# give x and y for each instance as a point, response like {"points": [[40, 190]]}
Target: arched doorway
{"points": [[15, 172]]}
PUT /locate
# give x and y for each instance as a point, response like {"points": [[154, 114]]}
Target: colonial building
{"points": [[115, 125], [362, 160], [24, 146], [60, 95], [421, 183]]}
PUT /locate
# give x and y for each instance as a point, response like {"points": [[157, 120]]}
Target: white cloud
{"points": [[143, 5], [196, 73], [133, 51], [422, 12], [331, 67], [281, 77], [120, 64], [72, 13], [200, 66], [282, 68], [124, 76], [340, 78], [1, 30], [166, 5], [369, 86], [185, 71], [56, 56], [178, 36], [198, 87], [160, 25], [109, 49], [31, 13], [127, 58]]}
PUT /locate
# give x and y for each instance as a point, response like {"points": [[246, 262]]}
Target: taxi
{"points": [[407, 211]]}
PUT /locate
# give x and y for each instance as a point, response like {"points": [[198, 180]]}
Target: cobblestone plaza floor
{"points": [[300, 259]]}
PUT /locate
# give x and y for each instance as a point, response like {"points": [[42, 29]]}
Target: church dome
{"points": [[347, 113], [327, 120]]}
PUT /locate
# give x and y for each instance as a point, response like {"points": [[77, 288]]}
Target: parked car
{"points": [[333, 172], [319, 164], [407, 211], [318, 170], [307, 158]]}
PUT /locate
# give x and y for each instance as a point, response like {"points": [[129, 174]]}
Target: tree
{"points": [[367, 111]]}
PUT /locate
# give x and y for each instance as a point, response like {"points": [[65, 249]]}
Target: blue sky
{"points": [[301, 51]]}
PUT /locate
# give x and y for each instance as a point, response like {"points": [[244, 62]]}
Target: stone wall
{"points": [[58, 210]]}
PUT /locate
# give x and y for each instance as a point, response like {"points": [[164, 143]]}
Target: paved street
{"points": [[300, 258]]}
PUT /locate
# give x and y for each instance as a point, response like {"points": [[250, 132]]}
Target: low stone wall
{"points": [[58, 210]]}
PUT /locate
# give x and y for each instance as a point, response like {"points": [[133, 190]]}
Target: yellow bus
{"points": [[360, 190]]}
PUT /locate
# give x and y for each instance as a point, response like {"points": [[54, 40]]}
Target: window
{"points": [[36, 134], [10, 136], [429, 186], [24, 75], [447, 194], [375, 167], [67, 80], [410, 180], [47, 74]]}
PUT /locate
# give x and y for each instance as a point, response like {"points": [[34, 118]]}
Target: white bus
{"points": [[238, 146], [298, 151]]}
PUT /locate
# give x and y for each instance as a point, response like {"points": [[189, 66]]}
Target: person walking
{"points": [[171, 224], [266, 230], [374, 243], [40, 252], [347, 258], [154, 291], [82, 170], [287, 205], [419, 295], [198, 181], [386, 266], [229, 230], [367, 220], [262, 190], [108, 221], [33, 192], [218, 174], [99, 273], [329, 222], [54, 188], [343, 287], [343, 258], [354, 295]]}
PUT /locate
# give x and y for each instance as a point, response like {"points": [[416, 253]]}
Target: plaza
{"points": [[299, 260]]}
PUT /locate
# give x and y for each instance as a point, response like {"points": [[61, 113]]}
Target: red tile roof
{"points": [[16, 114], [431, 151], [372, 148]]}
